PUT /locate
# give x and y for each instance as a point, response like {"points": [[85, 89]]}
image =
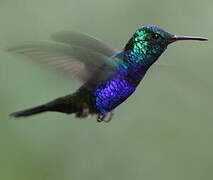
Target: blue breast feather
{"points": [[118, 86]]}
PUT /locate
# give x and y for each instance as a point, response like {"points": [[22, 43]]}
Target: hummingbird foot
{"points": [[102, 117], [111, 114]]}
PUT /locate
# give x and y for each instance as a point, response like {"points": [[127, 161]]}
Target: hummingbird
{"points": [[108, 76]]}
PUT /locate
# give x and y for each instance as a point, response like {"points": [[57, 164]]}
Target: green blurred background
{"points": [[163, 131]]}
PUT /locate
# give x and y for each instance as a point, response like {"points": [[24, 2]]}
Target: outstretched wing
{"points": [[70, 60], [83, 40], [74, 54]]}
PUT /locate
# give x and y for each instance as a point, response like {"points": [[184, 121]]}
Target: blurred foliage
{"points": [[163, 131]]}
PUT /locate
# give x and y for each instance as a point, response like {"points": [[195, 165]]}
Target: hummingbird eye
{"points": [[155, 36]]}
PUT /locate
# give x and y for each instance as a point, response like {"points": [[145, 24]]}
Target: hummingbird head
{"points": [[149, 42]]}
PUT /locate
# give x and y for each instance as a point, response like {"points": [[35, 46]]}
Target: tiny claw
{"points": [[101, 117], [111, 113]]}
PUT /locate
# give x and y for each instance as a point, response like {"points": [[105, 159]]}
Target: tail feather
{"points": [[30, 112], [78, 103]]}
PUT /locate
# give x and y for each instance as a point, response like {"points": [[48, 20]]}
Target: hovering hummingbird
{"points": [[109, 76]]}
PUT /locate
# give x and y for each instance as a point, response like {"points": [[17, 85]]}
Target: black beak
{"points": [[182, 38]]}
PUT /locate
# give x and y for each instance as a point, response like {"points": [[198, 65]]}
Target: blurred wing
{"points": [[75, 61], [83, 40]]}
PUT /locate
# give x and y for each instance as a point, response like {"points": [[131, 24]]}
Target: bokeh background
{"points": [[163, 131]]}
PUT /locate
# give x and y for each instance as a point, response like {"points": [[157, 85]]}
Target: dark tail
{"points": [[67, 104], [30, 112]]}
